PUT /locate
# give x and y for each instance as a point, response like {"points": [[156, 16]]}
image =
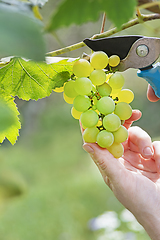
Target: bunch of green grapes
{"points": [[99, 101]]}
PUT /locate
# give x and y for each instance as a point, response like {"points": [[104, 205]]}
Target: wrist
{"points": [[151, 224]]}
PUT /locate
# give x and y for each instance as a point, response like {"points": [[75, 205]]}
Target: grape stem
{"points": [[133, 22], [103, 22], [115, 99]]}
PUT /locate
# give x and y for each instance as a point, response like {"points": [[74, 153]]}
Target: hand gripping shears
{"points": [[137, 52]]}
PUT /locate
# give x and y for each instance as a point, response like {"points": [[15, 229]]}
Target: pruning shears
{"points": [[137, 52]]}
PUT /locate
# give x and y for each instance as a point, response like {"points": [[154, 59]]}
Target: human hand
{"points": [[134, 178], [151, 94]]}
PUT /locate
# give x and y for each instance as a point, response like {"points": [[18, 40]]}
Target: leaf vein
{"points": [[31, 76]]}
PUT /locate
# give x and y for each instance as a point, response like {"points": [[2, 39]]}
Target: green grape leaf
{"points": [[81, 11], [119, 12], [60, 78], [10, 123], [34, 80], [21, 33], [74, 12]]}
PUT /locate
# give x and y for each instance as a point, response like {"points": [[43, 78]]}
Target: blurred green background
{"points": [[49, 187]]}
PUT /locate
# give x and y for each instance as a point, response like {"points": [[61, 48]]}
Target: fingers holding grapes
{"points": [[156, 156], [110, 167], [136, 115], [140, 142], [140, 156]]}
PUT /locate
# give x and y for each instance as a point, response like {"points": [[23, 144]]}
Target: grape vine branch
{"points": [[138, 20]]}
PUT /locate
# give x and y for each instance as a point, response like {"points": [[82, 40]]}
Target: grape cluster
{"points": [[99, 101]]}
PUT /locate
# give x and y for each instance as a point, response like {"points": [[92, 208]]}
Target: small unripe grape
{"points": [[82, 68], [90, 134], [99, 60], [114, 60], [116, 80], [105, 139], [116, 149], [98, 77]]}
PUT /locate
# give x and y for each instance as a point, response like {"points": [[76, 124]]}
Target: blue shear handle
{"points": [[152, 76]]}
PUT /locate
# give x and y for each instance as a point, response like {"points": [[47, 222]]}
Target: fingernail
{"points": [[88, 148], [147, 151]]}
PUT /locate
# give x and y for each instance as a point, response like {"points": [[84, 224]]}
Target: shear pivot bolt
{"points": [[142, 50]]}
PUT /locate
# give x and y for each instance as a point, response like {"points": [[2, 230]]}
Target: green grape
{"points": [[104, 89], [111, 122], [89, 118], [123, 110], [116, 149], [105, 105], [120, 135], [76, 114], [82, 68], [90, 134], [114, 60], [69, 89], [67, 99], [105, 139], [98, 77], [115, 92], [99, 60], [125, 95], [116, 80], [81, 103], [83, 86]]}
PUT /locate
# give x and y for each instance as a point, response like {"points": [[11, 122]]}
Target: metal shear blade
{"points": [[134, 51]]}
